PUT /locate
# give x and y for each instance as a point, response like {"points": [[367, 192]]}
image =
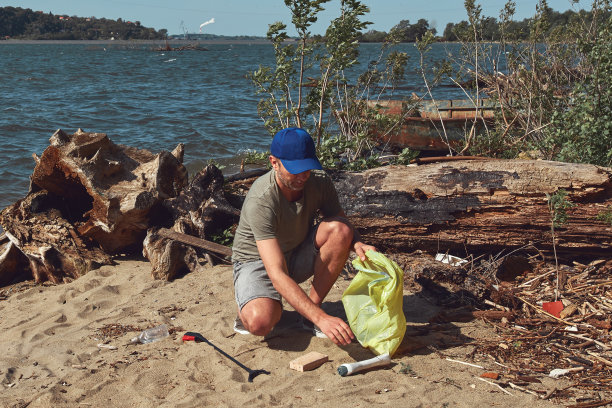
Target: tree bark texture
{"points": [[479, 206]]}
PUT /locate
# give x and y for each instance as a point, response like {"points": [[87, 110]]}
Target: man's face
{"points": [[293, 182]]}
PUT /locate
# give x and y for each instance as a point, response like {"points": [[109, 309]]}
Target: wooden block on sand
{"points": [[308, 361]]}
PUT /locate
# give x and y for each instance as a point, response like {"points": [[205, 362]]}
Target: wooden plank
{"points": [[195, 241], [308, 361]]}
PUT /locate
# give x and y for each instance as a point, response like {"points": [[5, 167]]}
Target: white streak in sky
{"points": [[212, 20]]}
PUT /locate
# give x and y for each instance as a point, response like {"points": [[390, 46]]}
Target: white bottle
{"points": [[152, 334], [352, 368]]}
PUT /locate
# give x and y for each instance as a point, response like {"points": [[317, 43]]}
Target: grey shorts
{"points": [[251, 280]]}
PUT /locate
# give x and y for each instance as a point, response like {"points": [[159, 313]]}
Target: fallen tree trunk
{"points": [[90, 198], [479, 206]]}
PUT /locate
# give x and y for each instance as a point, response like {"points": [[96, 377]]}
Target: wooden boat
{"points": [[191, 47], [431, 124]]}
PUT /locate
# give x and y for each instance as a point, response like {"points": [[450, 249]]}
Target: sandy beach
{"points": [[69, 346]]}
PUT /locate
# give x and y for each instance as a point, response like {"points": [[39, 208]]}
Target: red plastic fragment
{"points": [[188, 338], [491, 375], [554, 308]]}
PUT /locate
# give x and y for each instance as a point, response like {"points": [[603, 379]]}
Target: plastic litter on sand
{"points": [[152, 334]]}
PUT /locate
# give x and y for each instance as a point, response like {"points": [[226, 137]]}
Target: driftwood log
{"points": [[198, 212], [476, 207], [45, 245], [108, 189], [89, 198], [212, 247]]}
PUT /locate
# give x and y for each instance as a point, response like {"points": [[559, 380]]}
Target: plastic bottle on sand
{"points": [[152, 334]]}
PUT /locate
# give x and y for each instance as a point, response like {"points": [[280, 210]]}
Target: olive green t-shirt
{"points": [[267, 214]]}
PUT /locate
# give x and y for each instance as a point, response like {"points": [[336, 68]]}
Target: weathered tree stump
{"points": [[108, 189], [479, 206], [199, 211], [89, 198]]}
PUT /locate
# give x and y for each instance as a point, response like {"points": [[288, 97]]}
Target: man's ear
{"points": [[273, 162]]}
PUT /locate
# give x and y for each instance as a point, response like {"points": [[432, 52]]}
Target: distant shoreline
{"points": [[142, 42], [176, 42]]}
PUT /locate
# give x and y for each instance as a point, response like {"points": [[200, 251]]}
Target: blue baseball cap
{"points": [[296, 150]]}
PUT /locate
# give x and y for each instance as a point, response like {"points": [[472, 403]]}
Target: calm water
{"points": [[139, 97]]}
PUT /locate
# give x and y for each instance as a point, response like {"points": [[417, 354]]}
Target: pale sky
{"points": [[252, 17]]}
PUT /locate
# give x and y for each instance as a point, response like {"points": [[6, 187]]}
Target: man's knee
{"points": [[338, 232], [260, 319], [259, 325]]}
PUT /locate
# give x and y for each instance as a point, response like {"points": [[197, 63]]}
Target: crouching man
{"points": [[277, 244]]}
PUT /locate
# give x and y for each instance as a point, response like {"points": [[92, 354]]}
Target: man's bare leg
{"points": [[333, 239], [260, 315]]}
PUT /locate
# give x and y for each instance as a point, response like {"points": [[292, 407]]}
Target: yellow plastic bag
{"points": [[373, 303]]}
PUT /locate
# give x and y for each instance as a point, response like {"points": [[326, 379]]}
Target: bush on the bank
{"points": [[554, 93], [583, 132], [325, 99]]}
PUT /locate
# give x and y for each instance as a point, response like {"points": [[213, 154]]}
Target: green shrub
{"points": [[324, 102], [583, 132]]}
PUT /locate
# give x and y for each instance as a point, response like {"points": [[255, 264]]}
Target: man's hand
{"points": [[360, 249], [336, 330]]}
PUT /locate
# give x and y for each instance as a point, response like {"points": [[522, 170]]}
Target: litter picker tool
{"points": [[197, 337]]}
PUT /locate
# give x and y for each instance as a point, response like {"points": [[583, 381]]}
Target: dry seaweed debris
{"points": [[114, 330], [554, 322]]}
